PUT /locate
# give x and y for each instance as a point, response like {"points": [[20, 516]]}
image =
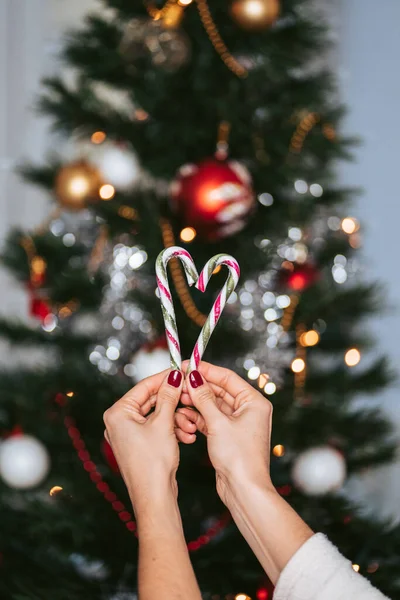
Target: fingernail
{"points": [[195, 379], [175, 378]]}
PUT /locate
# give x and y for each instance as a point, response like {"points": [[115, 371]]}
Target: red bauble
{"points": [[213, 196], [39, 308], [297, 278], [109, 456]]}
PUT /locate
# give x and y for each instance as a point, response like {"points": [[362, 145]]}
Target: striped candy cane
{"points": [[219, 304], [167, 306]]}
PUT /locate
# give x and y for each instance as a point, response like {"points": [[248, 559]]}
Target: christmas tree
{"points": [[215, 127]]}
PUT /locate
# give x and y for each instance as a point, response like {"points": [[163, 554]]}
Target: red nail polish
{"points": [[175, 378], [195, 379]]}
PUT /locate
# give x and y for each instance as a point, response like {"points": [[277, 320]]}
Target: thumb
{"points": [[169, 393], [203, 397]]}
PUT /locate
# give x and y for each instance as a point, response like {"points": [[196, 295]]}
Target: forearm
{"points": [[273, 530], [165, 570]]}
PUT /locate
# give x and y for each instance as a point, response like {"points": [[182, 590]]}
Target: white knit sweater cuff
{"points": [[319, 572]]}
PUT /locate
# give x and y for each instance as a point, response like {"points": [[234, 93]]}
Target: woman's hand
{"points": [[145, 446], [236, 420]]}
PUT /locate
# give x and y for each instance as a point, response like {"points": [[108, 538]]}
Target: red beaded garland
{"points": [[124, 515]]}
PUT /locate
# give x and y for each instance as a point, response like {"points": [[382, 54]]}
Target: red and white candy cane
{"points": [[167, 306], [219, 304]]}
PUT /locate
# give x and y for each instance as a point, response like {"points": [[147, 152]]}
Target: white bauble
{"points": [[149, 362], [118, 165], [319, 470], [24, 462]]}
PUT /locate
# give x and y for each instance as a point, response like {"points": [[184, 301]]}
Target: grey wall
{"points": [[369, 56]]}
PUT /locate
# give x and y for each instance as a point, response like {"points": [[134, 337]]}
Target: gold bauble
{"points": [[255, 15], [77, 184]]}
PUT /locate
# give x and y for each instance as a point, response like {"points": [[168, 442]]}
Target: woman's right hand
{"points": [[235, 418]]}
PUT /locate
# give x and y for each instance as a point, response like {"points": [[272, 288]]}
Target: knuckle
{"points": [[168, 395], [266, 407], [204, 395], [110, 416]]}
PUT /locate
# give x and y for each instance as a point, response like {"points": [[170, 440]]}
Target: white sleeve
{"points": [[319, 572]]}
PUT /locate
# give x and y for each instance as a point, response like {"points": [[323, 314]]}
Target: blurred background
{"points": [[365, 61]]}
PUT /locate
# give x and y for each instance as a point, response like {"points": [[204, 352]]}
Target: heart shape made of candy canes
{"points": [[201, 282]]}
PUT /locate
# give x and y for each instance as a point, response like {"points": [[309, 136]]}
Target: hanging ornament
{"points": [[149, 360], [109, 456], [215, 197], [77, 184], [167, 47], [297, 277], [255, 15], [117, 165], [39, 307], [24, 462], [319, 470]]}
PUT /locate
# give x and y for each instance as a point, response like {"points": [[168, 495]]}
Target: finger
{"points": [[193, 417], [148, 405], [145, 389], [229, 381], [169, 393], [186, 438], [182, 421], [203, 397], [224, 401]]}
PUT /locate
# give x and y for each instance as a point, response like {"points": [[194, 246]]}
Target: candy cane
{"points": [[167, 306], [219, 304]]}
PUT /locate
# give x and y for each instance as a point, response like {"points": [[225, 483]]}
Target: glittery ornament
{"points": [[77, 184], [215, 197]]}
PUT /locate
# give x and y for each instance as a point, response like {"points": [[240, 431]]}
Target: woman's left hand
{"points": [[144, 445]]}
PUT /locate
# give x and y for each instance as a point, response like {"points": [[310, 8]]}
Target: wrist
{"points": [[149, 494], [237, 487]]}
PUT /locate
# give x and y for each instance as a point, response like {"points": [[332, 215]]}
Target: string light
{"points": [[188, 234], [107, 191], [127, 212], [98, 137], [298, 365], [253, 373], [185, 2], [64, 312], [270, 388], [278, 450], [141, 115], [352, 357], [373, 567], [242, 597], [70, 394], [350, 225], [309, 338], [55, 490], [356, 567]]}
